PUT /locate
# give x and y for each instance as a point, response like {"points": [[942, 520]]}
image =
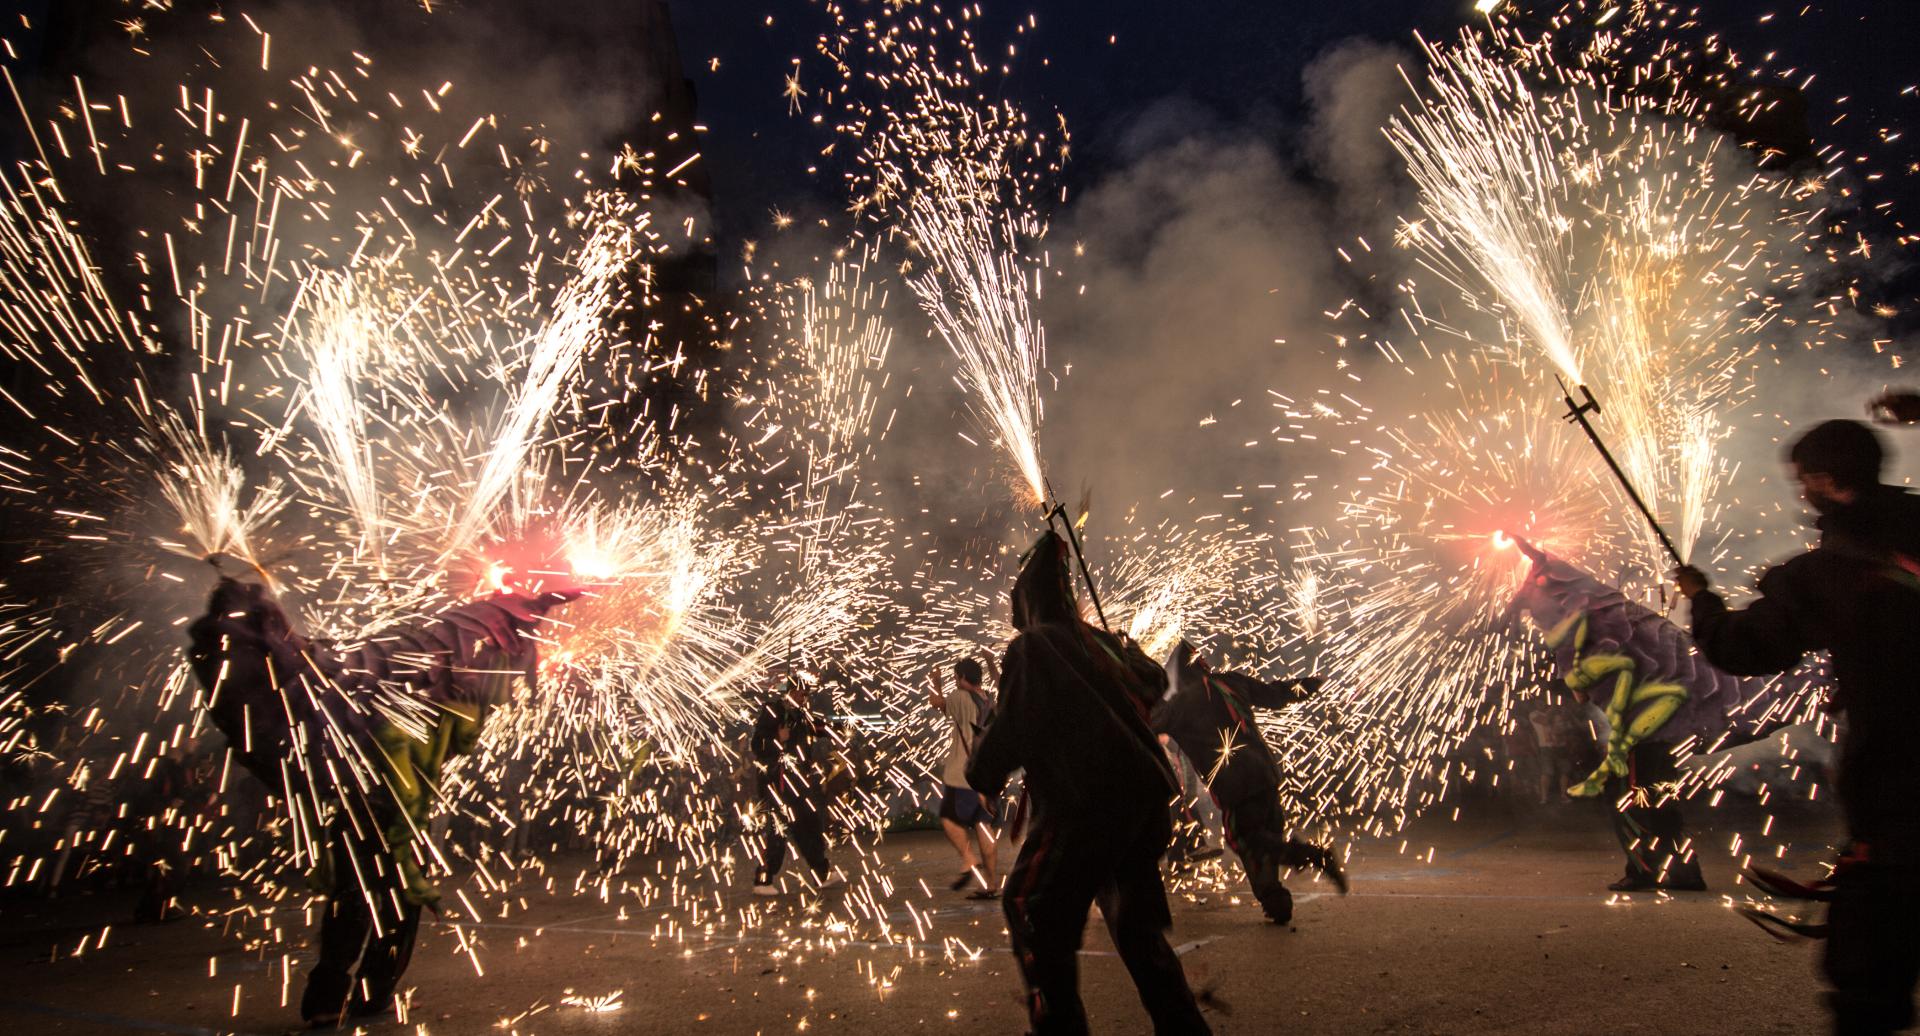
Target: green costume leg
{"points": [[1613, 763], [1655, 704], [403, 780]]}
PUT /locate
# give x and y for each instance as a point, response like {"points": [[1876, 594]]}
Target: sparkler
{"points": [[1491, 185], [1563, 210], [204, 488], [340, 336], [958, 171], [393, 374], [552, 359], [1059, 511]]}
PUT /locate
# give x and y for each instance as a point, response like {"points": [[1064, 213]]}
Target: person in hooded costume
{"points": [[789, 784], [1074, 714], [1209, 715], [1857, 597]]}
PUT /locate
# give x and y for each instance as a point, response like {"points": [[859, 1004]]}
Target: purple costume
{"points": [[1721, 710]]}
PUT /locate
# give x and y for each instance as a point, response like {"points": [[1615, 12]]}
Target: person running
{"points": [[1073, 713], [1856, 596], [1209, 715], [966, 815], [787, 788]]}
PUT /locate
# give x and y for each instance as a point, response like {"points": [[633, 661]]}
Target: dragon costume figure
{"points": [[406, 701], [1658, 693], [1645, 673], [362, 735]]}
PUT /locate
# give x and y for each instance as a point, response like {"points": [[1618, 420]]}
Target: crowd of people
{"points": [[1123, 763], [1090, 719]]}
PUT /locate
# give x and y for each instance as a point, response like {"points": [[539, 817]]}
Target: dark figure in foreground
{"points": [[159, 859], [1210, 716], [369, 920], [1856, 596], [1073, 712], [787, 782]]}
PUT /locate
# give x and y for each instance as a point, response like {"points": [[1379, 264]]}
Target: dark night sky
{"points": [[1241, 62], [1234, 63]]}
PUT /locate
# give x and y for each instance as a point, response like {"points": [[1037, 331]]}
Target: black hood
{"points": [[1043, 593], [1183, 672]]}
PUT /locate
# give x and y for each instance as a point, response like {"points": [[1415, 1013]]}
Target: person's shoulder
{"points": [[1904, 501], [1815, 573], [1024, 640], [1014, 658]]}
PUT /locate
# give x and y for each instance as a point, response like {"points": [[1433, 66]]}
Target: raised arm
{"points": [[1277, 694], [998, 753], [934, 695]]}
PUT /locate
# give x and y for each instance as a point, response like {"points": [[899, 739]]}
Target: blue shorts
{"points": [[965, 807]]}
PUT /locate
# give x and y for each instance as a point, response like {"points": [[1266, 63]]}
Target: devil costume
{"points": [[307, 721], [1856, 596], [1209, 715], [1073, 712]]}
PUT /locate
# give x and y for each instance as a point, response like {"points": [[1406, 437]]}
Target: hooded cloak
{"points": [[1210, 716], [1073, 707]]}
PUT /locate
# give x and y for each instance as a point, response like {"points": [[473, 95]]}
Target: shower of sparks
{"points": [[335, 347], [1490, 188], [205, 488], [1304, 600], [955, 174], [1206, 584], [391, 408], [390, 354], [552, 359], [1597, 234]]}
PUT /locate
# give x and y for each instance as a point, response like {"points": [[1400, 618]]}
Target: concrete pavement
{"points": [[1486, 926]]}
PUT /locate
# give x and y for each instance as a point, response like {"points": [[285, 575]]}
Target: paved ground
{"points": [[1505, 929]]}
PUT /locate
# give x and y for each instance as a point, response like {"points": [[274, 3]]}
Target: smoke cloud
{"points": [[1204, 273]]}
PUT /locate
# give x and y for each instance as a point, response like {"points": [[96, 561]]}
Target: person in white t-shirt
{"points": [[966, 815]]}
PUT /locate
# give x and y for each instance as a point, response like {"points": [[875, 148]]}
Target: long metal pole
{"points": [[1577, 413], [1073, 540]]}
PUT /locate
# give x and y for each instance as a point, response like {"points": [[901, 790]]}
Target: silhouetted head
{"points": [[969, 673], [249, 604], [1835, 462], [1043, 593]]}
